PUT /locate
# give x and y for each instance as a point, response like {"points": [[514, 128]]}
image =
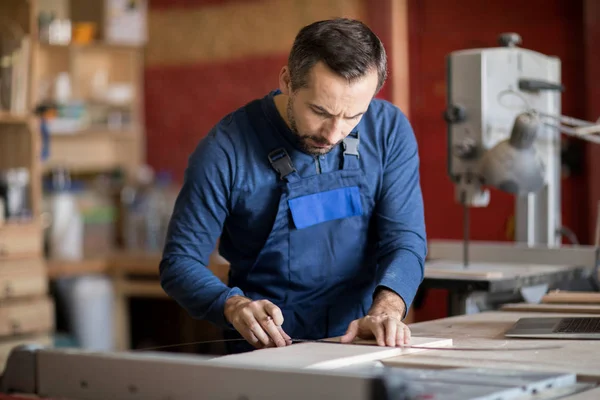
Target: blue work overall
{"points": [[318, 263]]}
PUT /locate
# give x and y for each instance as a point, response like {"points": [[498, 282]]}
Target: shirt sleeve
{"points": [[196, 223], [400, 215]]}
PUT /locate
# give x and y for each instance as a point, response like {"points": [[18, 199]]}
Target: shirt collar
{"points": [[277, 120]]}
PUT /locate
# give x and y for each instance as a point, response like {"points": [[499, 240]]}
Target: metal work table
{"points": [[501, 273]]}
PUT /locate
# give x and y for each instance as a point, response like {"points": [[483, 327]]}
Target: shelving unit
{"points": [[94, 69], [105, 88], [26, 308]]}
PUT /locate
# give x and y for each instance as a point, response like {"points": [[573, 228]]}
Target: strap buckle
{"points": [[281, 162], [351, 145]]}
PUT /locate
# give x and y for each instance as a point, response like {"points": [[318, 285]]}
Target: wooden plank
{"points": [[323, 355], [572, 297], [23, 278], [26, 316], [63, 268], [11, 118], [135, 262], [553, 308], [132, 288], [487, 330], [90, 153], [143, 263], [18, 240]]}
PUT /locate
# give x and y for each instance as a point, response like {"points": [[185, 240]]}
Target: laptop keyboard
{"points": [[578, 325]]}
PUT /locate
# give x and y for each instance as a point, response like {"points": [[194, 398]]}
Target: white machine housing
{"points": [[486, 91]]}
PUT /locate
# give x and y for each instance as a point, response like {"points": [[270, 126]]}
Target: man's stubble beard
{"points": [[301, 140]]}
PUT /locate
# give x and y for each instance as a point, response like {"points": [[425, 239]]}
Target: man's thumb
{"points": [[350, 333]]}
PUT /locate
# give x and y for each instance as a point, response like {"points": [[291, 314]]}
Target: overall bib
{"points": [[318, 263]]}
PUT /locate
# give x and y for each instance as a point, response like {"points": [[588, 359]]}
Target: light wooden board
{"points": [[487, 330], [553, 308], [27, 315], [447, 269], [562, 297], [325, 356]]}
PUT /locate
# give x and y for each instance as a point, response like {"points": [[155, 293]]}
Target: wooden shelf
{"points": [[64, 269], [10, 118], [86, 134], [93, 151], [94, 45], [122, 263]]}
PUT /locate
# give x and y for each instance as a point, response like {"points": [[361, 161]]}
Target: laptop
{"points": [[556, 328]]}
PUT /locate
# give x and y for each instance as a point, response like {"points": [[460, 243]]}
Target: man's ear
{"points": [[285, 81]]}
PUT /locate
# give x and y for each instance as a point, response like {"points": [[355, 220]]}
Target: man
{"points": [[314, 193]]}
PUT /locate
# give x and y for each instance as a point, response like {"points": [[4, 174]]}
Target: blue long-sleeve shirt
{"points": [[228, 193]]}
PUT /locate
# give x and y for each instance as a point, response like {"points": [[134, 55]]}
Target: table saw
{"points": [[80, 375], [465, 357]]}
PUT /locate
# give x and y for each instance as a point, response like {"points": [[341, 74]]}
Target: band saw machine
{"points": [[504, 127]]}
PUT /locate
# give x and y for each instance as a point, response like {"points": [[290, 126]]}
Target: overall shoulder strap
{"points": [[350, 154], [279, 158]]}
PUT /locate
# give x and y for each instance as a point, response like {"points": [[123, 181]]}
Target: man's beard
{"points": [[303, 140]]}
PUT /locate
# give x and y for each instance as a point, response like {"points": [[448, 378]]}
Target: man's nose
{"points": [[333, 130]]}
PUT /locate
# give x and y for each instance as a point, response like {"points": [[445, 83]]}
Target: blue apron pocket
{"points": [[325, 206]]}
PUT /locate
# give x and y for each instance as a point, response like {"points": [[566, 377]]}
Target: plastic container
{"points": [[89, 301], [67, 229]]}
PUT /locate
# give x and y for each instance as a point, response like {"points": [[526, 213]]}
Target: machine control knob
{"points": [[509, 39], [454, 114], [466, 149]]}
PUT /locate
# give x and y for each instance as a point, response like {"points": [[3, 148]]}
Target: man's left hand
{"points": [[383, 322]]}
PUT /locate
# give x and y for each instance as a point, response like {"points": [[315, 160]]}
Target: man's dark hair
{"points": [[346, 46]]}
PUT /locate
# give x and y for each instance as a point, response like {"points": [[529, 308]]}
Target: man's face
{"points": [[324, 113]]}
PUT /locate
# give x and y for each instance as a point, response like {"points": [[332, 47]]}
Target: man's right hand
{"points": [[259, 321]]}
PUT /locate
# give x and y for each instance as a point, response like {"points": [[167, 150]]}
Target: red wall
{"points": [[592, 84]]}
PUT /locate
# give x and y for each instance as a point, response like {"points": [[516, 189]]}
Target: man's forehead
{"points": [[323, 81], [337, 98]]}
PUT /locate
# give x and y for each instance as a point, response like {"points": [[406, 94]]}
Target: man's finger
{"points": [[350, 333], [376, 326], [407, 334], [255, 328], [391, 330], [288, 339], [272, 330], [400, 336], [250, 337], [275, 313]]}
